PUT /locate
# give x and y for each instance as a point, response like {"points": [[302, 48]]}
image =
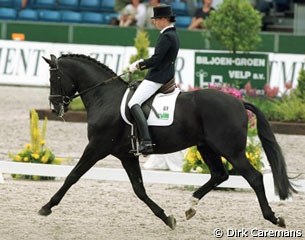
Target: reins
{"points": [[95, 86]]}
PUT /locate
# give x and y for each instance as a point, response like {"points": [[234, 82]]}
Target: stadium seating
{"points": [[8, 13], [45, 4], [107, 6], [90, 5], [68, 4], [77, 11], [92, 17], [28, 15], [179, 8], [49, 15], [70, 16], [183, 21], [11, 3], [6, 3]]}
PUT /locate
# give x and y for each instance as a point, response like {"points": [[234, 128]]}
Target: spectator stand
{"points": [[66, 11]]}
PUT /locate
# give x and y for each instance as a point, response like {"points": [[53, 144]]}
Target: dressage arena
{"points": [[95, 209]]}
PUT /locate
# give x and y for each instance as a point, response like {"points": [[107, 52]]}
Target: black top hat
{"points": [[163, 11]]}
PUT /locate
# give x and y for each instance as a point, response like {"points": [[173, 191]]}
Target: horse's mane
{"points": [[92, 60]]}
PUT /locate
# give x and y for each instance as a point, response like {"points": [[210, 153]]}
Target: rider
{"points": [[161, 67]]}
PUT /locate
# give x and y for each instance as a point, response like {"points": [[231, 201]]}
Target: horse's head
{"points": [[61, 88]]}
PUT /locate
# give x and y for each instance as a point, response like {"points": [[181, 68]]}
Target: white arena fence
{"points": [[149, 176]]}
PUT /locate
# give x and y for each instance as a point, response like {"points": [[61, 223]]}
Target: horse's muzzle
{"points": [[58, 105]]}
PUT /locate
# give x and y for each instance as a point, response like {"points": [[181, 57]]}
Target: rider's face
{"points": [[161, 23]]}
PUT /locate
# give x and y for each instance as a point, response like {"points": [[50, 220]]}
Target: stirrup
{"points": [[146, 147]]}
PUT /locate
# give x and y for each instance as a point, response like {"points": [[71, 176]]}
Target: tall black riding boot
{"points": [[145, 140]]}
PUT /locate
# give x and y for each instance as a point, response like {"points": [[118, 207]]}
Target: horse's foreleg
{"points": [[255, 180], [132, 168], [88, 159], [218, 175]]}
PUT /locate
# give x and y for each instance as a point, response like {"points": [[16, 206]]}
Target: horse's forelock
{"points": [[91, 60]]}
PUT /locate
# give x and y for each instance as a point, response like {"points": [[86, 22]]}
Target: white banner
{"points": [[21, 62]]}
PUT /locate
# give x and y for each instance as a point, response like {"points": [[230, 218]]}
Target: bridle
{"points": [[62, 99]]}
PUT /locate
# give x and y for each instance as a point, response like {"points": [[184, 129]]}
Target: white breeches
{"points": [[144, 91]]}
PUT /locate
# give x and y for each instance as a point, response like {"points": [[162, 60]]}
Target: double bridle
{"points": [[62, 99]]}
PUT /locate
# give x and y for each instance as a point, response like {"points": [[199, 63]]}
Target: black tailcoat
{"points": [[161, 64]]}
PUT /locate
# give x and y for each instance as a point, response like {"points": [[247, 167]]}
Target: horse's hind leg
{"points": [[218, 175], [133, 170], [255, 180]]}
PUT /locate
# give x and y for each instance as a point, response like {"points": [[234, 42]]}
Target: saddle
{"points": [[167, 88]]}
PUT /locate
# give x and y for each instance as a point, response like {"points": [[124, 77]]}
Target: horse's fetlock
{"points": [[270, 217]]}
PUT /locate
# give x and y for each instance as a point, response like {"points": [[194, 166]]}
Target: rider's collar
{"points": [[169, 26]]}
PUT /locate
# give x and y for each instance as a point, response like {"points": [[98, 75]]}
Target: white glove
{"points": [[134, 66]]}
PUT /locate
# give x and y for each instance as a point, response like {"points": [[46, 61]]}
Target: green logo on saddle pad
{"points": [[164, 116]]}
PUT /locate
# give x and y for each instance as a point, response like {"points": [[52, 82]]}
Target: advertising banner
{"points": [[234, 69], [21, 63]]}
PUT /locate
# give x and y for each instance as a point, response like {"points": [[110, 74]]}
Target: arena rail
{"points": [[149, 176]]}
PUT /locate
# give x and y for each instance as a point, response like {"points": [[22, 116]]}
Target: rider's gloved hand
{"points": [[134, 66]]}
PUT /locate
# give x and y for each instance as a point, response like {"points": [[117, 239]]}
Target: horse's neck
{"points": [[109, 94]]}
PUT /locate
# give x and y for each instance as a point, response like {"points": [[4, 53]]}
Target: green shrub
{"points": [[142, 45], [290, 109], [300, 90], [267, 105], [236, 25]]}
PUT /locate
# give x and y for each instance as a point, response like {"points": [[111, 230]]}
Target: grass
{"points": [[77, 105]]}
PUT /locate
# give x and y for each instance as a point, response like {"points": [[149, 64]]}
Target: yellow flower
{"points": [[199, 169], [35, 155], [17, 158], [26, 159], [44, 159], [191, 157], [42, 142], [28, 146], [198, 155]]}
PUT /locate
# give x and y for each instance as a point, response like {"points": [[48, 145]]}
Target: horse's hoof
{"points": [[190, 213], [281, 222], [171, 222], [45, 211]]}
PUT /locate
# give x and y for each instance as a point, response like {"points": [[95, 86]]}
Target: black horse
{"points": [[213, 121]]}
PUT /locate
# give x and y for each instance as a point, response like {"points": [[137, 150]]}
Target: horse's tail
{"points": [[273, 152]]}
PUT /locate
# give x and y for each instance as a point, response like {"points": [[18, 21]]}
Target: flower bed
{"points": [[35, 151]]}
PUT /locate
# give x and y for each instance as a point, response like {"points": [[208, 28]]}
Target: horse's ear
{"points": [[53, 58], [48, 61]]}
